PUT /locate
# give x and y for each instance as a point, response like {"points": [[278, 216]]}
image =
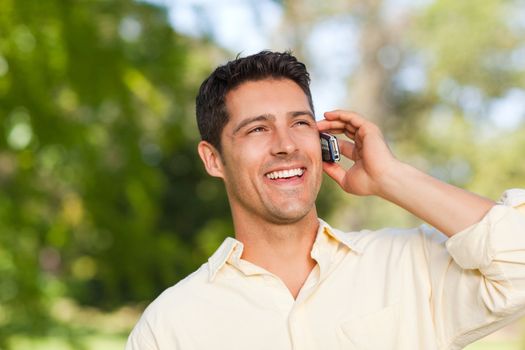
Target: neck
{"points": [[282, 249]]}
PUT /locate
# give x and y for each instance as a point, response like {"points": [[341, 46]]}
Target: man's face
{"points": [[271, 154]]}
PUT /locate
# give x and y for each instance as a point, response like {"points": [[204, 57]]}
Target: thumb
{"points": [[335, 171]]}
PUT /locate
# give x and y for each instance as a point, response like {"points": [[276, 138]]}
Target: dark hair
{"points": [[211, 111]]}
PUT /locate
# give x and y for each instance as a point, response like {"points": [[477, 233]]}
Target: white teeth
{"points": [[284, 174]]}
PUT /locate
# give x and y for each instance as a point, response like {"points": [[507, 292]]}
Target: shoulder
{"points": [[177, 296], [176, 299], [421, 237], [166, 314]]}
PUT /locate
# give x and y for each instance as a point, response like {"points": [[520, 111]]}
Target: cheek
{"points": [[252, 149], [246, 160], [310, 142], [250, 156]]}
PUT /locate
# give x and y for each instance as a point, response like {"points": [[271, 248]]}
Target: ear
{"points": [[211, 159]]}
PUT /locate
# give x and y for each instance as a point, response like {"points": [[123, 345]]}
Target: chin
{"points": [[289, 215]]}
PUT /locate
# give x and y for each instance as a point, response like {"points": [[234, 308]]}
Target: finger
{"points": [[347, 149], [358, 142], [336, 126], [330, 124], [335, 171], [346, 116]]}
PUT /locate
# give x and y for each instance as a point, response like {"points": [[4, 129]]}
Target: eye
{"points": [[257, 129], [302, 123]]}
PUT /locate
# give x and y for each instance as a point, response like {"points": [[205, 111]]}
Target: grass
{"points": [[96, 341], [82, 328], [496, 345]]}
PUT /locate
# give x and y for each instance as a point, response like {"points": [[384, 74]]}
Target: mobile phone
{"points": [[329, 147]]}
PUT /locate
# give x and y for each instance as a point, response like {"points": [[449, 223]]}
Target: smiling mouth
{"points": [[286, 174]]}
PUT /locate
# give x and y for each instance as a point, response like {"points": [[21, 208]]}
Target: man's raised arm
{"points": [[377, 172]]}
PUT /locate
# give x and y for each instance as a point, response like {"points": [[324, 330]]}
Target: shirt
{"points": [[384, 289]]}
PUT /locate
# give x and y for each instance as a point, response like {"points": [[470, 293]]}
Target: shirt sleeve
{"points": [[479, 286]]}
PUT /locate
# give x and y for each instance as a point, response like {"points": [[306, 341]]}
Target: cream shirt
{"points": [[385, 289]]}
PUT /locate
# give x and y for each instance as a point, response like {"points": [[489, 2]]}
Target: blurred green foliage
{"points": [[473, 58], [103, 199]]}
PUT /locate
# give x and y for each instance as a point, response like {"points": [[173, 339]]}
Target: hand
{"points": [[373, 161]]}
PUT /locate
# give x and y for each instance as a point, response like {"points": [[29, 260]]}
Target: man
{"points": [[290, 281]]}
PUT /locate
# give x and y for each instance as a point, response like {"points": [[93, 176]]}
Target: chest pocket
{"points": [[375, 331]]}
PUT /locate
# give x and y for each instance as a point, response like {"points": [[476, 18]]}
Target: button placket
{"points": [[300, 332], [280, 295]]}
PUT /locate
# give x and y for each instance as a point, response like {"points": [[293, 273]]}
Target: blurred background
{"points": [[104, 202]]}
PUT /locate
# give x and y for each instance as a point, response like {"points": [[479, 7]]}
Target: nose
{"points": [[283, 143]]}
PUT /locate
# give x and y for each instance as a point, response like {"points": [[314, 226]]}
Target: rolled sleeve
{"points": [[490, 256], [499, 236]]}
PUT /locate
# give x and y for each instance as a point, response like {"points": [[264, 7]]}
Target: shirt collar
{"points": [[325, 231], [231, 249]]}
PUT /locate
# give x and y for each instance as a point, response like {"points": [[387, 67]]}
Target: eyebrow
{"points": [[300, 113], [259, 118], [266, 117]]}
